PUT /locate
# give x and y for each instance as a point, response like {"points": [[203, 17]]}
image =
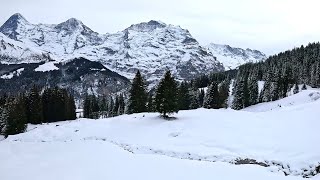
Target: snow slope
{"points": [[300, 99], [200, 143]]}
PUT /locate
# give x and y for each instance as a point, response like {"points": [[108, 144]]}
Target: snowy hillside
{"points": [[293, 100], [232, 57], [199, 144]]}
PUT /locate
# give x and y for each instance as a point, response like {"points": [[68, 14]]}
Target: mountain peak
{"points": [[10, 26], [147, 26], [71, 25]]}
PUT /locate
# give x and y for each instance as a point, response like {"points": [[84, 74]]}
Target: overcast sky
{"points": [[267, 25]]}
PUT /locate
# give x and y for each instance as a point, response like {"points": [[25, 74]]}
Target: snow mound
{"points": [[49, 66]]}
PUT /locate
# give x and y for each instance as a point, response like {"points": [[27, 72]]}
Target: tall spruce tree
{"points": [[121, 105], [150, 104], [224, 94], [184, 96], [253, 90], [166, 99], [137, 95], [34, 106], [238, 100], [201, 97], [195, 101], [3, 119], [296, 88], [211, 99], [17, 118]]}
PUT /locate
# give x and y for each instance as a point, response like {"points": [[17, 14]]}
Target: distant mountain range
{"points": [[152, 47]]}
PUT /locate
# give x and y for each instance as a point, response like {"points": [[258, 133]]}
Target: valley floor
{"points": [[281, 138]]}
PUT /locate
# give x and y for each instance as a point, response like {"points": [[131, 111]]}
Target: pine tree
{"points": [[116, 107], [137, 95], [211, 99], [17, 119], [304, 87], [86, 107], [184, 96], [3, 119], [111, 105], [166, 99], [121, 105], [201, 97], [70, 108], [195, 101], [296, 89], [238, 100], [253, 90], [150, 104], [34, 106], [224, 94], [91, 107]]}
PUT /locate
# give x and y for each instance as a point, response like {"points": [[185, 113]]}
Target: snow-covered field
{"points": [[199, 144]]}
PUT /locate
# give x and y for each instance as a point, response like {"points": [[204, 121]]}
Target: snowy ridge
{"points": [[232, 57]]}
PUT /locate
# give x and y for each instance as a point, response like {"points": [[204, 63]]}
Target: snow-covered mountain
{"points": [[152, 47], [232, 57]]}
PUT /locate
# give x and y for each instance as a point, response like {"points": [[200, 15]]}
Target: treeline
{"points": [[94, 107], [280, 73], [35, 107], [168, 97]]}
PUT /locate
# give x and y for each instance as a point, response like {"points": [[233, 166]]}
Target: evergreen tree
{"points": [[70, 108], [111, 105], [121, 105], [195, 101], [17, 119], [184, 97], [223, 94], [296, 88], [253, 90], [201, 97], [34, 106], [3, 119], [116, 107], [150, 104], [91, 107], [166, 99], [137, 95], [304, 87], [238, 100], [211, 99]]}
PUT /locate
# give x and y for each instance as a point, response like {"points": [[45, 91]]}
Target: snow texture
{"points": [[199, 144]]}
